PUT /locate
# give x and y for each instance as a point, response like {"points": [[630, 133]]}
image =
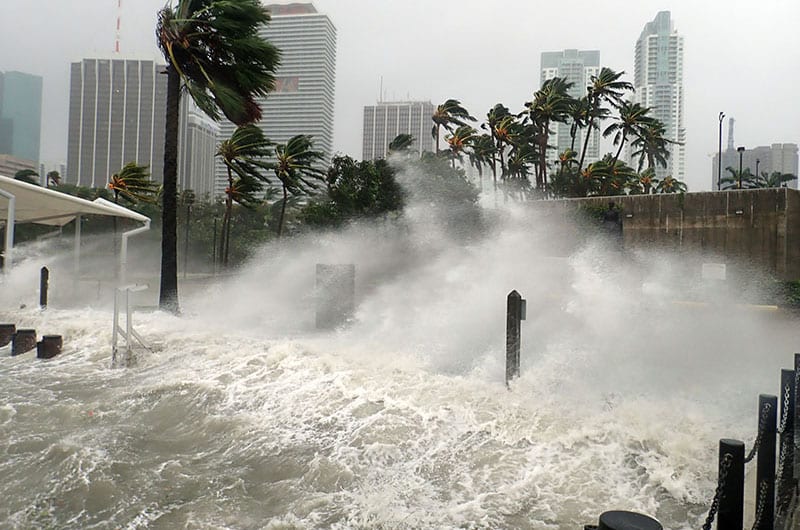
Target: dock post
{"points": [[44, 284], [515, 313], [785, 473], [765, 463], [731, 478]]}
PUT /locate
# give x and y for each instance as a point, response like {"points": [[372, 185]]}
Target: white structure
{"points": [[576, 67], [384, 121], [658, 81], [763, 159], [197, 144], [303, 99]]}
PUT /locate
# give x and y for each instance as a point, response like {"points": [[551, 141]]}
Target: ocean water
{"points": [[241, 415]]}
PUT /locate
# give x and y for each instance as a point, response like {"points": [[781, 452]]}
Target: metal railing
{"points": [[127, 333]]}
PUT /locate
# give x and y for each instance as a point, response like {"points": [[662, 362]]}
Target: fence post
{"points": [[765, 470], [515, 313], [785, 483], [44, 283], [731, 477]]}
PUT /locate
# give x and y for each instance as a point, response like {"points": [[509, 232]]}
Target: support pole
{"points": [[785, 482], [514, 315], [765, 471], [44, 284], [731, 473], [76, 256], [10, 219]]}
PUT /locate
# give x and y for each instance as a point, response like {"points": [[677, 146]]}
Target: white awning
{"points": [[35, 204]]}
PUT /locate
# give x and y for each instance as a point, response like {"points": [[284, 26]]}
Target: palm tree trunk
{"points": [[283, 211], [226, 219], [437, 139], [589, 126], [573, 132], [228, 239], [621, 143], [168, 294]]}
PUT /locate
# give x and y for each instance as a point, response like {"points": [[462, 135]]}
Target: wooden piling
{"points": [[24, 341], [514, 315]]}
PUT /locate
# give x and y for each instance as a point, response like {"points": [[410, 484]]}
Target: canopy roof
{"points": [[35, 204]]}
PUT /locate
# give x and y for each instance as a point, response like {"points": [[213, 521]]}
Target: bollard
{"points": [[24, 341], [765, 470], [7, 333], [731, 479], [44, 283], [515, 313], [785, 482], [49, 346], [622, 520], [335, 286]]}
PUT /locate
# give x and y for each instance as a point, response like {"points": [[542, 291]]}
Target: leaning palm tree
{"points": [[551, 104], [448, 115], [295, 167], [482, 154], [53, 178], [605, 87], [133, 183], [213, 50], [459, 141], [401, 143], [245, 157], [631, 121], [27, 175], [652, 145]]}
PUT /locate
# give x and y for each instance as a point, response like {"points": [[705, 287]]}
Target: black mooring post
{"points": [[44, 282], [765, 471], [7, 333], [785, 485], [731, 477], [515, 313], [622, 520]]}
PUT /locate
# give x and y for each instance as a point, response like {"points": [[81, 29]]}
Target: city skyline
{"points": [[373, 45], [386, 120]]}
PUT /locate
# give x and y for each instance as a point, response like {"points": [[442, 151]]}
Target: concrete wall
{"points": [[743, 228]]}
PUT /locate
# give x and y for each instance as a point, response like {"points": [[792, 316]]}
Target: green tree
{"points": [[482, 154], [736, 180], [644, 183], [605, 87], [295, 168], [133, 184], [670, 184], [449, 114], [631, 122], [52, 179], [401, 143], [551, 104], [27, 175], [459, 141], [579, 118], [245, 156], [776, 179], [213, 50], [651, 145]]}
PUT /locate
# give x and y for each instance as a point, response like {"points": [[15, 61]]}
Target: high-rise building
{"points": [[576, 67], [20, 115], [759, 160], [116, 116], [303, 99], [658, 81], [386, 120]]}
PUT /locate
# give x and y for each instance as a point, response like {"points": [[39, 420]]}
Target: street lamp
{"points": [[757, 162], [719, 157], [741, 151]]}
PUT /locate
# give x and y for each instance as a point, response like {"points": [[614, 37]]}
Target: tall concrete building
{"points": [[384, 121], [20, 115], [303, 99], [658, 81], [576, 67], [117, 115], [767, 159]]}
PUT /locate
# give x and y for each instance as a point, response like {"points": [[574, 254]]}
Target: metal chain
{"points": [[724, 467], [782, 460], [762, 422], [785, 417], [761, 503]]}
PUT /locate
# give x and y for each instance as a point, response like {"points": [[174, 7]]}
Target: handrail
{"points": [[128, 333]]}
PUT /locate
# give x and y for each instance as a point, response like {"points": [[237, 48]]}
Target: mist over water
{"points": [[246, 416]]}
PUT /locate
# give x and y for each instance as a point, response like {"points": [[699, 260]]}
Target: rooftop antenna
{"points": [[730, 133], [119, 23]]}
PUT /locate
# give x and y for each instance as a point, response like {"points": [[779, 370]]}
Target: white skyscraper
{"points": [[303, 99], [576, 67], [384, 121], [658, 80]]}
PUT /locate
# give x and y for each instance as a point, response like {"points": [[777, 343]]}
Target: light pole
{"points": [[719, 156], [741, 151], [757, 162]]}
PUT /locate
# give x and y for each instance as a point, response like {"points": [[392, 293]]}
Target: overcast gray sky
{"points": [[741, 57]]}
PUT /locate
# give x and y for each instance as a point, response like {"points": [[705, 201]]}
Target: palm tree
{"points": [[294, 167], [619, 177], [551, 103], [245, 157], [447, 115], [776, 179], [401, 144], [605, 87], [213, 50], [737, 180], [632, 119], [651, 145], [670, 184], [133, 183], [579, 115], [27, 175], [482, 154], [644, 183], [459, 140], [53, 178]]}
